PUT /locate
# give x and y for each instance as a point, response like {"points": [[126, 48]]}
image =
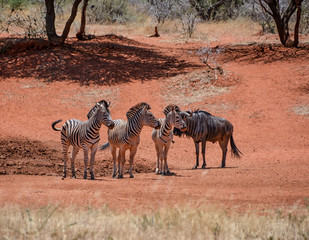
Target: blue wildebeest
{"points": [[202, 127]]}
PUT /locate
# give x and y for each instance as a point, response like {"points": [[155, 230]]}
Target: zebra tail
{"points": [[235, 151], [54, 123], [104, 146]]}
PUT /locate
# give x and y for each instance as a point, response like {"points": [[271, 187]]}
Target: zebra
{"points": [[163, 136], [84, 135], [126, 135], [202, 127]]}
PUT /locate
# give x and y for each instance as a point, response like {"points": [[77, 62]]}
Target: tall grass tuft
{"points": [[53, 222]]}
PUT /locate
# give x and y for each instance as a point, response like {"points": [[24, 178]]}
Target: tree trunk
{"points": [[296, 28], [81, 31], [50, 21], [282, 22], [156, 34]]}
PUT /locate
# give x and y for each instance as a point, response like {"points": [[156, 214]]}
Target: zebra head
{"points": [[185, 115], [103, 114], [174, 118], [145, 116]]}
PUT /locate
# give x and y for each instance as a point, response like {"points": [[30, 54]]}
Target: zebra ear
{"points": [[190, 113], [109, 103], [145, 108]]}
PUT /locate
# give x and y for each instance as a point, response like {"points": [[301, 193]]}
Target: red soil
{"points": [[266, 84]]}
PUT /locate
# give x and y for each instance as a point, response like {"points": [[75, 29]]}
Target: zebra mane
{"points": [[169, 108], [138, 107], [96, 106]]}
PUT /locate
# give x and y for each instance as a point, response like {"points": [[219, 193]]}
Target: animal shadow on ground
{"points": [[209, 168]]}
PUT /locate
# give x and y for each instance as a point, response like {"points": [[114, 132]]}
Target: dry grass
{"points": [[172, 223], [301, 109], [239, 29], [196, 86]]}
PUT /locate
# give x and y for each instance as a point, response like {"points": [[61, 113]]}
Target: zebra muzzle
{"points": [[183, 129], [111, 125]]}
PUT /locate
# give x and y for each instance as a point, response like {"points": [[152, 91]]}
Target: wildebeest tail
{"points": [[54, 123], [104, 146], [235, 150]]}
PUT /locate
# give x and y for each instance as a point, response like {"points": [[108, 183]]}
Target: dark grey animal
{"points": [[202, 127]]}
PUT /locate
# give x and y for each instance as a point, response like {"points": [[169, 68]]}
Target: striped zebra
{"points": [[202, 127], [163, 136], [84, 135], [126, 135]]}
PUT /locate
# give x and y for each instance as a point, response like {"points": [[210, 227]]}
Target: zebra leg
{"points": [[113, 150], [223, 145], [165, 157], [197, 150], [132, 155], [203, 153], [65, 147], [121, 161], [85, 160], [165, 160], [92, 158], [73, 156], [158, 159]]}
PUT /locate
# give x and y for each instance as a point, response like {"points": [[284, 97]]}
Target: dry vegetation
{"points": [[188, 222]]}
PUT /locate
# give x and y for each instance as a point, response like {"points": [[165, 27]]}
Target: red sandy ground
{"points": [[41, 86]]}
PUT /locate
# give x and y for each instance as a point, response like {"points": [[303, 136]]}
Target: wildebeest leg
{"points": [[223, 144], [65, 147], [132, 155], [113, 150], [197, 150], [85, 148], [158, 158], [74, 153], [92, 158], [203, 153]]}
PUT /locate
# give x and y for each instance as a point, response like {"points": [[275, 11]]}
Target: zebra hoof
{"points": [[131, 176], [204, 166], [85, 176], [194, 167], [74, 176], [120, 177], [223, 166]]}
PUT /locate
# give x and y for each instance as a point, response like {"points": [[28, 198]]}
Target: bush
{"points": [[109, 11]]}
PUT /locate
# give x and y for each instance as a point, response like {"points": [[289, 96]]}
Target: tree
{"points": [[80, 34], [205, 8], [50, 21], [282, 18]]}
